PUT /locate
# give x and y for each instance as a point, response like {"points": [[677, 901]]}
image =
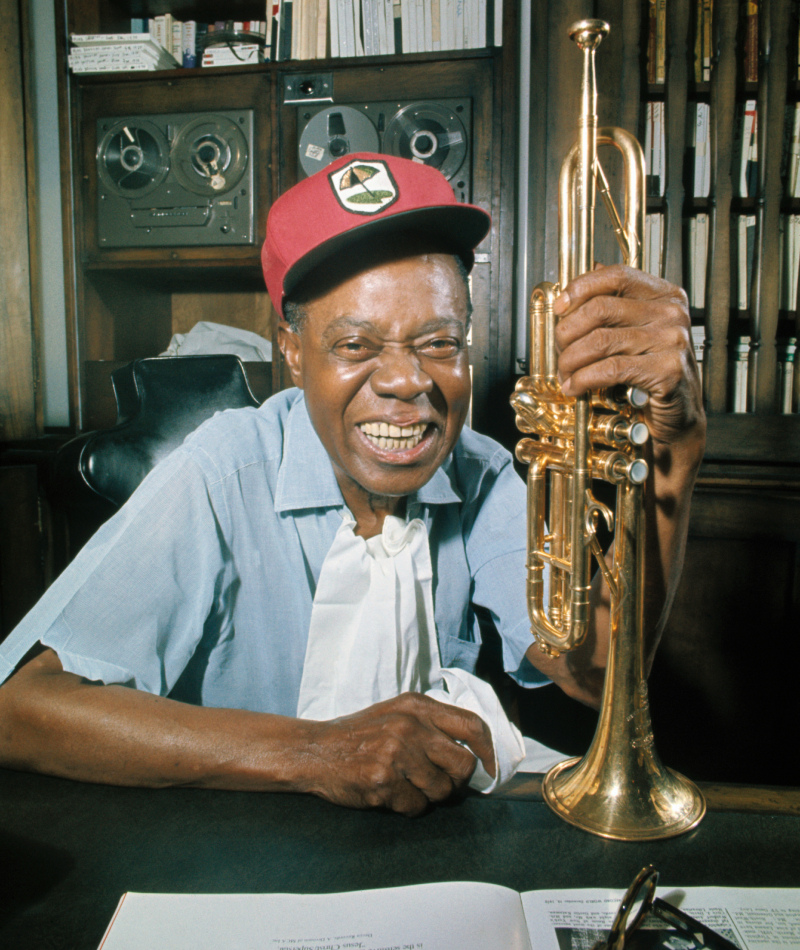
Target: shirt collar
{"points": [[306, 478]]}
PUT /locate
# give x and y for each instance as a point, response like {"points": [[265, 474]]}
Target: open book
{"points": [[449, 916]]}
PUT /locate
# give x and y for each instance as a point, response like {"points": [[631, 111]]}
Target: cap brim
{"points": [[460, 227]]}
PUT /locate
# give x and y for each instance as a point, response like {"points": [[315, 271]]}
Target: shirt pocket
{"points": [[458, 653]]}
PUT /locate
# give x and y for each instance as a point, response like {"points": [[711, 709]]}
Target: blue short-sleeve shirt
{"points": [[200, 588]]}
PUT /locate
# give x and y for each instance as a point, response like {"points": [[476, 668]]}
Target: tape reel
{"points": [[428, 132], [209, 155], [435, 132], [133, 158], [336, 131]]}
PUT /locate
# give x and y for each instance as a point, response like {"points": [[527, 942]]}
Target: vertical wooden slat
{"points": [[773, 33], [619, 65], [718, 282], [678, 21], [563, 85], [619, 74], [538, 150], [17, 340]]}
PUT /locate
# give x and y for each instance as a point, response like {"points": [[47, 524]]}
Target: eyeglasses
{"points": [[639, 899]]}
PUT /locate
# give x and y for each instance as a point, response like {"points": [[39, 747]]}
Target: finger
{"points": [[400, 795], [468, 728], [670, 344], [659, 374], [615, 280], [621, 312]]}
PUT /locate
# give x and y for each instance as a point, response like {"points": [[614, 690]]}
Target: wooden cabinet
{"points": [[129, 301]]}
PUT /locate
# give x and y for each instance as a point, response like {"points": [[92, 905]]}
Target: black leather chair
{"points": [[160, 400]]}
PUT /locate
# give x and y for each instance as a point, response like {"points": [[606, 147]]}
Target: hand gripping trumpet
{"points": [[619, 789]]}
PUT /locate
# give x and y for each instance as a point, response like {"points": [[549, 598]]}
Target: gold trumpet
{"points": [[619, 789]]}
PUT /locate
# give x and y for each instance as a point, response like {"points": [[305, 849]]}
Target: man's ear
{"points": [[291, 347]]}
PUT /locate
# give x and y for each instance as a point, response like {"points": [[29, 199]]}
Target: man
{"points": [[217, 589]]}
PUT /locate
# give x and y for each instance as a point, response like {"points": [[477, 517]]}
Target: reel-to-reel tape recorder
{"points": [[179, 179], [436, 132]]}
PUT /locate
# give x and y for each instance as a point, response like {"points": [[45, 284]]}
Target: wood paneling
{"points": [[18, 404]]}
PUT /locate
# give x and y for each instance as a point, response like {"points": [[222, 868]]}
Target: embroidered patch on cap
{"points": [[364, 187]]}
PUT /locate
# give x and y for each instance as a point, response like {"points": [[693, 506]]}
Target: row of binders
{"points": [[702, 23], [657, 40], [744, 167], [742, 247]]}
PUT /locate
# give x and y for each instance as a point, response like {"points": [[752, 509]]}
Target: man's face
{"points": [[382, 358]]}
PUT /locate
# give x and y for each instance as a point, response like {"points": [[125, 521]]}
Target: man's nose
{"points": [[400, 375]]}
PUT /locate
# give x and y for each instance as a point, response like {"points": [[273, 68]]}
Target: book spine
{"points": [[747, 123], [177, 40], [333, 17], [285, 41], [389, 13], [436, 25], [661, 41], [751, 42], [189, 44]]}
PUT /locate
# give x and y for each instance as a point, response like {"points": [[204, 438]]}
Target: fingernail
{"points": [[561, 303], [565, 384]]}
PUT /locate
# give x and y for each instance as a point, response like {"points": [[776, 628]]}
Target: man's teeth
{"points": [[386, 436]]}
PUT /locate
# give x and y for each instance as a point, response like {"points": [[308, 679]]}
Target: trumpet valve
{"points": [[617, 430], [616, 467]]}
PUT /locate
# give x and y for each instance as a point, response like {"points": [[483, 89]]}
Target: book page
{"points": [[751, 918], [449, 916]]}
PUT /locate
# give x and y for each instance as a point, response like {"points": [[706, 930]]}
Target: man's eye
{"points": [[354, 349], [441, 347]]}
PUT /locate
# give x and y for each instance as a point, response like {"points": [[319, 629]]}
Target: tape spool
{"points": [[333, 132], [133, 158], [209, 155], [428, 132]]}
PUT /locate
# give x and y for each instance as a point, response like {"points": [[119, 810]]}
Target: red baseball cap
{"points": [[357, 196]]}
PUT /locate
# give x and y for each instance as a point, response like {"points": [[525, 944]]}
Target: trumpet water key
{"points": [[619, 789]]}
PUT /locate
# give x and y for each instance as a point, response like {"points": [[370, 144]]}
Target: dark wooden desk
{"points": [[68, 851]]}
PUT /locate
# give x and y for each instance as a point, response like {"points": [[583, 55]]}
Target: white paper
{"points": [[447, 916]]}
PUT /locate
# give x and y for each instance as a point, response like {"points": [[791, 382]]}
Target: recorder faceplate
{"points": [[179, 179]]}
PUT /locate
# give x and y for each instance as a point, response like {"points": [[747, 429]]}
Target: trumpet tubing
{"points": [[619, 789]]}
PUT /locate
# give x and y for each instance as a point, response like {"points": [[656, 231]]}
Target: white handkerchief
{"points": [[466, 691], [372, 636]]}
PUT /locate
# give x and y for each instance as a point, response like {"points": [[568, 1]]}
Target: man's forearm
{"points": [[56, 722], [668, 497]]}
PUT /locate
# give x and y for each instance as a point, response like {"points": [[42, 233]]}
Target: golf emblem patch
{"points": [[364, 187]]}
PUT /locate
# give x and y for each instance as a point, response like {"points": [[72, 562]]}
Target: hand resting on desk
{"points": [[401, 754]]}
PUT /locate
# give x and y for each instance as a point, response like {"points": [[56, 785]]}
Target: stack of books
{"points": [[118, 52]]}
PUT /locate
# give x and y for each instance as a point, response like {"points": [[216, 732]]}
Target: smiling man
{"points": [[287, 602]]}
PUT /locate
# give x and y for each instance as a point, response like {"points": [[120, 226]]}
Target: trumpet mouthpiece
{"points": [[588, 34]]}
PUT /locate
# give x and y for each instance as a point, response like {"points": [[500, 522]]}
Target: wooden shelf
{"points": [[747, 437]]}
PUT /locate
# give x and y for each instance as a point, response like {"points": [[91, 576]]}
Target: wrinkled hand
{"points": [[623, 326], [400, 754]]}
